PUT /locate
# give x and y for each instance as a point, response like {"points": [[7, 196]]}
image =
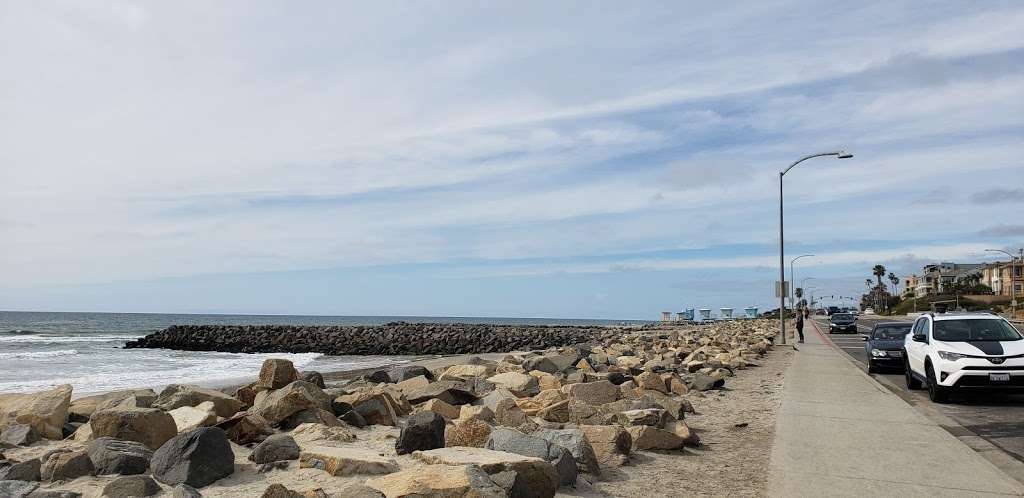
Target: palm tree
{"points": [[895, 283], [878, 271]]}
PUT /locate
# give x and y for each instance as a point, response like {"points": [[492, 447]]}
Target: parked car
{"points": [[833, 310], [884, 345], [946, 352], [869, 311], [842, 322]]}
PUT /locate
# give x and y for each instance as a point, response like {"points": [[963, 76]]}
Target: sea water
{"points": [[39, 350]]}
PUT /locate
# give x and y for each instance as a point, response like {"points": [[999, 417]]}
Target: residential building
{"points": [[909, 286], [938, 278], [1003, 277]]}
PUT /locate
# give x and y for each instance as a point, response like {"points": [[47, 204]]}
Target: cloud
{"points": [[1003, 231], [998, 196]]}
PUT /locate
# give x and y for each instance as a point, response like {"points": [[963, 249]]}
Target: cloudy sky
{"points": [[560, 159]]}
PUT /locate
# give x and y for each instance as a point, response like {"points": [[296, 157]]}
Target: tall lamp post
{"points": [[782, 245], [803, 282], [1013, 275], [792, 279]]}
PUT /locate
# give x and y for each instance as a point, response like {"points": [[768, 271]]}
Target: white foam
{"points": [[59, 339], [37, 354]]}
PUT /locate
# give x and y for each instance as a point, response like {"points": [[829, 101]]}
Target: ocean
{"points": [[39, 350]]}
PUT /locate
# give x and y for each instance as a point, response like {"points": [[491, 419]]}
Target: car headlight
{"points": [[946, 355], [877, 352]]}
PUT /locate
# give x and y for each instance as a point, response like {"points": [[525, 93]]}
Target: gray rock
{"points": [[131, 487], [353, 418], [113, 456], [17, 488], [451, 392], [19, 435], [313, 377], [56, 493], [398, 374], [513, 441], [198, 457], [576, 442], [23, 471], [423, 431], [275, 448], [185, 491], [701, 382], [380, 377]]}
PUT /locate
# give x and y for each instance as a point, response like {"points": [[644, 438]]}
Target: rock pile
{"points": [[522, 426], [389, 339]]}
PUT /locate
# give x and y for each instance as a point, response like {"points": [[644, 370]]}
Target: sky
{"points": [[524, 159]]}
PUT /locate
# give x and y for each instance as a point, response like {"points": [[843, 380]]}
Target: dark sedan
{"points": [[842, 322], [884, 345]]}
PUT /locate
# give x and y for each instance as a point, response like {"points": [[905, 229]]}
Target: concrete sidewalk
{"points": [[840, 433]]}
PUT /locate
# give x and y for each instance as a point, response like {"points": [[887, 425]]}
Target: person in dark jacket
{"points": [[800, 324]]}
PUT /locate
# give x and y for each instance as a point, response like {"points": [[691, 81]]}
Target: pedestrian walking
{"points": [[800, 324]]}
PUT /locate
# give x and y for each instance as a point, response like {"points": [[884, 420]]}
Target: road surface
{"points": [[997, 418]]}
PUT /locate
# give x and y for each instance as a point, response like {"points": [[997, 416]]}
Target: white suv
{"points": [[949, 351]]}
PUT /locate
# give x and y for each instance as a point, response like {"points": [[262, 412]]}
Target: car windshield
{"points": [[891, 332], [841, 316], [974, 330]]}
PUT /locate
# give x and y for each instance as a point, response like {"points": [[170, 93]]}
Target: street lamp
{"points": [[782, 246], [1013, 275], [792, 279], [803, 282]]}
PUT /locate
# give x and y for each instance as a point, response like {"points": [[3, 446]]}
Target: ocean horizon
{"points": [[41, 349]]}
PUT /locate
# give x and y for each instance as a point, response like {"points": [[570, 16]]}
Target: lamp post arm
{"points": [[812, 156]]}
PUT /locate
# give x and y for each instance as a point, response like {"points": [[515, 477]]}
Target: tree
{"points": [[878, 271], [799, 292], [895, 283]]}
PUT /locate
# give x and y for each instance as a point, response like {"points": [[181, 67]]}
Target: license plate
{"points": [[895, 354], [999, 377]]}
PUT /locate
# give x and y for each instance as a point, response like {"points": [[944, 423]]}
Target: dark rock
{"points": [[398, 374], [112, 456], [617, 378], [69, 429], [423, 431], [353, 418], [66, 465], [380, 377], [19, 435], [131, 487], [451, 392], [29, 470], [246, 428], [315, 378], [340, 407], [701, 382], [17, 488], [274, 448], [197, 457]]}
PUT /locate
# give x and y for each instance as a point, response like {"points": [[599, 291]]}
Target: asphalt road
{"points": [[996, 417]]}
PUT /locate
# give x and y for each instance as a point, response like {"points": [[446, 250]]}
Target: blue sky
{"points": [[529, 159]]}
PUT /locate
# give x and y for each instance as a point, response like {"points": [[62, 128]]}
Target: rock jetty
{"points": [[390, 339], [523, 426]]}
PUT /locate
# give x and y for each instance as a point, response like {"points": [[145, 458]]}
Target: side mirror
{"points": [[918, 338]]}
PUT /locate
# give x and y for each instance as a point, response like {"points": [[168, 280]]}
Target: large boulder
{"points": [[593, 393], [313, 377], [413, 383], [646, 437], [467, 432], [702, 382], [451, 392], [29, 470], [44, 411], [149, 426], [66, 465], [19, 435], [277, 373], [321, 435], [131, 487], [376, 406], [423, 431], [179, 395], [280, 404], [198, 457], [441, 408], [651, 382], [513, 441], [508, 413], [311, 416], [83, 408], [246, 428], [112, 456], [574, 440], [466, 372], [191, 417], [611, 443], [275, 448], [520, 384], [438, 481], [345, 461], [533, 476], [16, 488], [403, 373]]}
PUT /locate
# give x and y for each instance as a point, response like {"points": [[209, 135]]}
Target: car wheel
{"points": [[912, 383], [936, 393]]}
